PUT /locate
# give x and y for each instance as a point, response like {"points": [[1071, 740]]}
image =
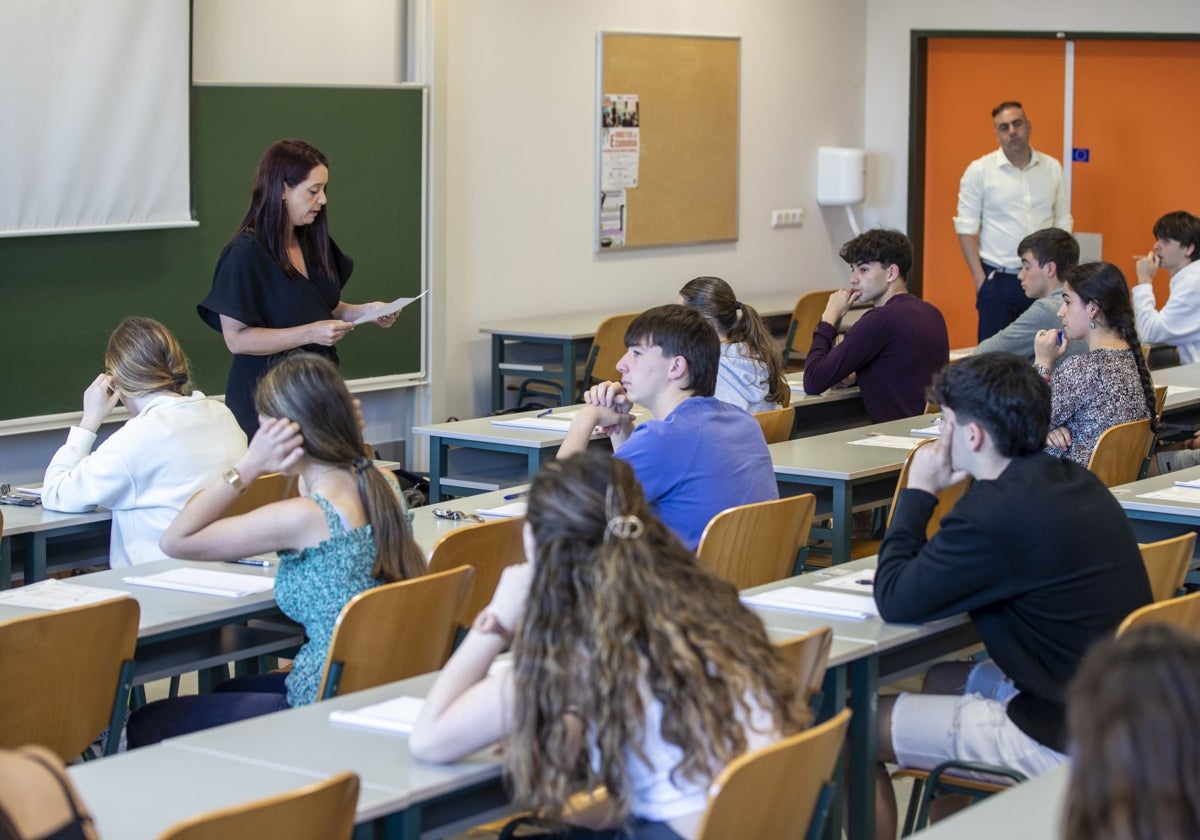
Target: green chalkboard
{"points": [[62, 295]]}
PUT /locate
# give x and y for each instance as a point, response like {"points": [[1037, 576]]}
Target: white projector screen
{"points": [[94, 115]]}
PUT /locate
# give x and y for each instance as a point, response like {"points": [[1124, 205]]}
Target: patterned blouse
{"points": [[1092, 392]]}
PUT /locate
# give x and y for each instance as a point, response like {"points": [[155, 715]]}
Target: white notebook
{"points": [[508, 511], [818, 601], [395, 715], [206, 582]]}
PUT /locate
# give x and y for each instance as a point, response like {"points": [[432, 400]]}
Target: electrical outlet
{"points": [[787, 218]]}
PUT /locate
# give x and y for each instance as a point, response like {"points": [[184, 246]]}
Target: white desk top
{"points": [[483, 430], [1132, 496], [1030, 811], [1182, 376], [832, 456], [428, 529], [27, 520]]}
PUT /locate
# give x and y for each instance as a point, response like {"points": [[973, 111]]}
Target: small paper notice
{"points": [[389, 308]]}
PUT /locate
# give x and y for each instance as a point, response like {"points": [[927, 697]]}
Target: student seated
{"points": [[177, 441], [630, 661], [1108, 385], [1176, 243], [1136, 773], [895, 348], [1037, 551], [345, 534], [698, 456], [751, 372]]}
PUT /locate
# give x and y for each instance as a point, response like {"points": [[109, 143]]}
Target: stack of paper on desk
{"points": [[57, 595], [508, 511], [549, 423], [206, 582], [819, 601], [395, 715], [1195, 484]]}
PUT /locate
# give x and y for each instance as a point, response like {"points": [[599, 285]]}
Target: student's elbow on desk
{"points": [[425, 745]]}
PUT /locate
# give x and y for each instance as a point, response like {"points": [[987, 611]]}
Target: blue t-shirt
{"points": [[705, 457]]}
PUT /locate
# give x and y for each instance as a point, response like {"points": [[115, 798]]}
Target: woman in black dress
{"points": [[278, 283]]}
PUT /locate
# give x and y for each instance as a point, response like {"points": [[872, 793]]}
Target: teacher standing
{"points": [[278, 283]]}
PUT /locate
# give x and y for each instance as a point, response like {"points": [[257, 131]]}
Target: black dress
{"points": [[251, 287]]}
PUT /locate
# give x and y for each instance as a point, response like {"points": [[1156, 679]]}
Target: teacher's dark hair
{"points": [[1001, 393], [286, 163]]}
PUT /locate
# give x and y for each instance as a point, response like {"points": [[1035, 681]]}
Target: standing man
{"points": [[896, 347], [1046, 255], [1177, 239], [1003, 196]]}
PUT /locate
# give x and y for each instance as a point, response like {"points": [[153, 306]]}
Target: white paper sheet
{"points": [[862, 582], [813, 600], [56, 595], [508, 511], [395, 715], [1190, 495], [387, 309], [206, 582], [886, 441]]}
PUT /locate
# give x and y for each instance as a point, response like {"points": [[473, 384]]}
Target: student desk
{"points": [[842, 474], [428, 529], [31, 528], [1158, 519], [1032, 810], [563, 340], [1183, 393], [875, 652]]}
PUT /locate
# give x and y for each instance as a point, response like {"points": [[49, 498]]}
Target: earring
{"points": [[1091, 325]]}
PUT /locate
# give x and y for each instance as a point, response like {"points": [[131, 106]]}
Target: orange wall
{"points": [[967, 77]]}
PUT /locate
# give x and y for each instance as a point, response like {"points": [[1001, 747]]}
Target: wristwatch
{"points": [[234, 479], [1041, 370], [487, 622]]}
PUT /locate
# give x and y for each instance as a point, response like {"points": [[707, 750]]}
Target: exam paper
{"points": [[887, 441], [509, 511], [206, 582], [387, 309], [1182, 493], [812, 600], [56, 595], [395, 715]]}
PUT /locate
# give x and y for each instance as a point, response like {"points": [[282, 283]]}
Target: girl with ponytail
{"points": [[347, 532], [630, 660]]}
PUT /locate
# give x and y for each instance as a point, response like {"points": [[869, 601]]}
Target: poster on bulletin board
{"points": [[666, 140]]}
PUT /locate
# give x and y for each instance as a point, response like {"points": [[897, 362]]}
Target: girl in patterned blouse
{"points": [[1108, 385], [345, 533]]}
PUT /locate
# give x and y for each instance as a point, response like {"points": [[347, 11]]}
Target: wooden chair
{"points": [[1121, 452], [778, 791], [323, 810], [776, 425], [607, 349], [805, 316], [808, 656], [67, 676], [394, 631], [1182, 612], [488, 549], [264, 490], [753, 544], [951, 778], [1167, 564]]}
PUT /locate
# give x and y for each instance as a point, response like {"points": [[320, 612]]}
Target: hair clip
{"points": [[624, 527]]}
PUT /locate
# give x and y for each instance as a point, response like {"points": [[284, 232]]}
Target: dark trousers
{"points": [[999, 300], [232, 700]]}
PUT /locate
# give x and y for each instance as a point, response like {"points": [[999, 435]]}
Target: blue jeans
{"points": [[999, 300], [232, 700]]}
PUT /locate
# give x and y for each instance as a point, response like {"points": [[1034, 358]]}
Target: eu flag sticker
{"points": [[1081, 155]]}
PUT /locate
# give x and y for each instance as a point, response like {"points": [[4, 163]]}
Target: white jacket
{"points": [[146, 471]]}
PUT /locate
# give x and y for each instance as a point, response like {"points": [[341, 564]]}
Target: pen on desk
{"points": [[508, 497], [247, 561], [546, 413], [865, 582]]}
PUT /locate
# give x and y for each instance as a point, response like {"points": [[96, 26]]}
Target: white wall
{"points": [[889, 26]]}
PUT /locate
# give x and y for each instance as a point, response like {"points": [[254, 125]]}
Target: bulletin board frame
{"points": [[687, 90]]}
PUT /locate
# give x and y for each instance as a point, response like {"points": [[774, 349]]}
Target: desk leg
{"points": [[35, 559], [568, 373], [843, 515], [5, 562], [439, 458], [497, 377], [833, 700], [864, 686]]}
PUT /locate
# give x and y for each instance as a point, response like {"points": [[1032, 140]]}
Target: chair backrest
{"points": [[1120, 452], [1160, 402], [394, 631], [805, 316], [489, 549], [947, 499], [323, 810], [66, 675], [776, 425], [1167, 564], [773, 792], [1182, 612], [607, 349], [753, 544], [264, 490], [809, 657]]}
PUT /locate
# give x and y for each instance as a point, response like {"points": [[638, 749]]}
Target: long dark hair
{"points": [[286, 163], [617, 601], [739, 322], [1103, 284], [1130, 710], [309, 390]]}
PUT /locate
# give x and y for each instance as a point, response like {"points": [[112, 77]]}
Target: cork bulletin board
{"points": [[673, 179]]}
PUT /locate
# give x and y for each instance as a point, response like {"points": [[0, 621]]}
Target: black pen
{"points": [[510, 496], [248, 561]]}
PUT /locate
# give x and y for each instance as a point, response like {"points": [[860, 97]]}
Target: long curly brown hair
{"points": [[619, 603]]}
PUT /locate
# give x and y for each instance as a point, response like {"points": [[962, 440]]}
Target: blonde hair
{"points": [[144, 357], [616, 602]]}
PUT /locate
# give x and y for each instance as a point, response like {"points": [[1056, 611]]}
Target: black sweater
{"points": [[1044, 560]]}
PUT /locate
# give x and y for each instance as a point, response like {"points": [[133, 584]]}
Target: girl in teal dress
{"points": [[344, 534]]}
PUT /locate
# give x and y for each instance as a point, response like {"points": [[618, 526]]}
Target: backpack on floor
{"points": [[37, 799]]}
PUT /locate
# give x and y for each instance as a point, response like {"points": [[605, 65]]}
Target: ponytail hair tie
{"points": [[737, 304], [360, 464]]}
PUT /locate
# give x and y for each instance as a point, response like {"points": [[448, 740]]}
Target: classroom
{"points": [[510, 163]]}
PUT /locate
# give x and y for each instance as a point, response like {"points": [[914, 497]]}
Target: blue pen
{"points": [[510, 496], [247, 561], [1060, 337], [546, 413]]}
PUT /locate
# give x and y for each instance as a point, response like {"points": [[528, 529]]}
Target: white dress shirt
{"points": [[1178, 322]]}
